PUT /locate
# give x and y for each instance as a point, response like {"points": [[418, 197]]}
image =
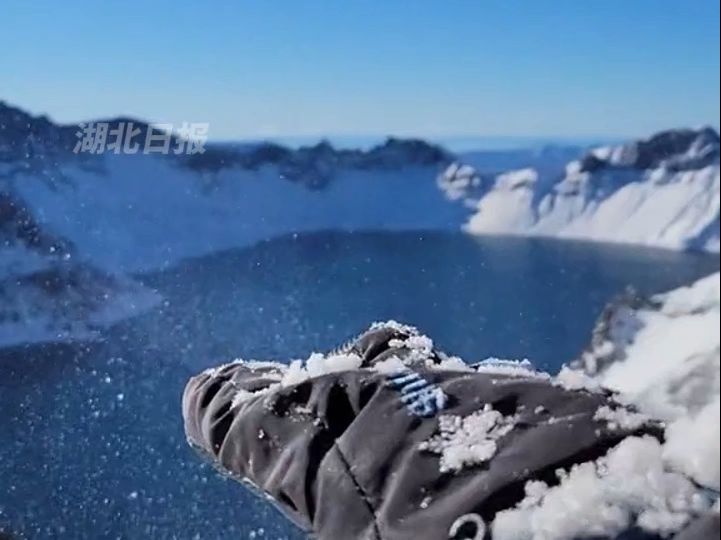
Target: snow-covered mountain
{"points": [[47, 292], [662, 355], [72, 225], [100, 216], [663, 191], [139, 212]]}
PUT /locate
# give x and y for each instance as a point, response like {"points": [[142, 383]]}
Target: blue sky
{"points": [[428, 68]]}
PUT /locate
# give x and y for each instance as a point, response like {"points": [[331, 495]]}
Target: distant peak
{"points": [[677, 149]]}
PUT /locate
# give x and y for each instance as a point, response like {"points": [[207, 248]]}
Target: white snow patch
{"points": [[122, 229], [418, 342], [390, 365], [451, 363], [630, 486], [317, 365], [470, 440], [702, 295], [574, 379], [295, 373], [243, 396], [621, 418], [692, 445], [419, 347], [511, 368], [395, 326]]}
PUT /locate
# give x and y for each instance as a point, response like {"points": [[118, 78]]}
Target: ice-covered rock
{"points": [[460, 181], [473, 174], [680, 149], [318, 165]]}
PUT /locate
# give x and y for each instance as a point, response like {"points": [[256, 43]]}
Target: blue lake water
{"points": [[91, 441]]}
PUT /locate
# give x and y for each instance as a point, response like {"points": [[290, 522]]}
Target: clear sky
{"points": [[347, 67]]}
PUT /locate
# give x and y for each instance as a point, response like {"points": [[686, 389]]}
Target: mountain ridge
{"points": [[39, 143], [72, 227]]}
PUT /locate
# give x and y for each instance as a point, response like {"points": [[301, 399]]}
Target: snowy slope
{"points": [[73, 225], [663, 192], [662, 354], [140, 212], [47, 293], [143, 212]]}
